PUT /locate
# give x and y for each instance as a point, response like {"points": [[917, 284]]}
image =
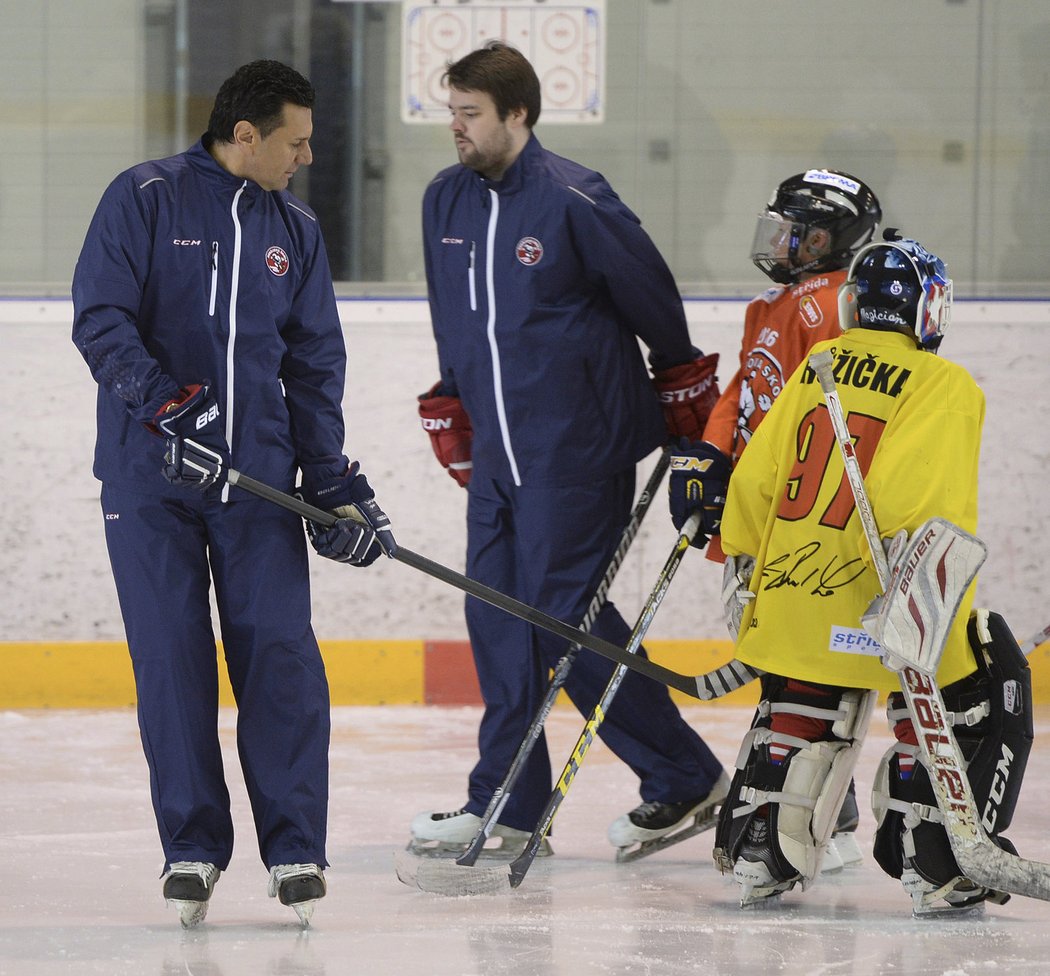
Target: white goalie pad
{"points": [[927, 583]]}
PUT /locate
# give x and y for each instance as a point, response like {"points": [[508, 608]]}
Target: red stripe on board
{"points": [[449, 677]]}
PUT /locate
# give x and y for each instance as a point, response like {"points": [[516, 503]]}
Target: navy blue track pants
{"points": [[165, 554], [550, 547]]}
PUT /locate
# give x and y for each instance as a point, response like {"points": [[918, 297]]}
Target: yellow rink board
{"points": [[98, 674]]}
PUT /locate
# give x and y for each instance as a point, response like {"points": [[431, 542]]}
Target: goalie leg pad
{"points": [[793, 772], [991, 715]]}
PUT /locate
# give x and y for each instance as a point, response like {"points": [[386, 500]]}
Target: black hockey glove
{"points": [[698, 483], [197, 453], [362, 532]]}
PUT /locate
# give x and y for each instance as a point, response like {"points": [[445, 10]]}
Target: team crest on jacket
{"points": [[529, 251], [277, 260]]}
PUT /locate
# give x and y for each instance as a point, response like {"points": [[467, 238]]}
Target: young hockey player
{"points": [[798, 578], [813, 225], [541, 283]]}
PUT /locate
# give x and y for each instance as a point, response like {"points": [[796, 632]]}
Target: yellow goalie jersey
{"points": [[916, 424]]}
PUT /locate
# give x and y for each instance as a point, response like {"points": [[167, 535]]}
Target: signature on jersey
{"points": [[805, 567]]}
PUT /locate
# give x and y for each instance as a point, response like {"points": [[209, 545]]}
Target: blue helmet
{"points": [[898, 285]]}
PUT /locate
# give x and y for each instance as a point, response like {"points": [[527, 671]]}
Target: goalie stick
{"points": [[979, 858], [713, 684], [447, 877], [561, 670]]}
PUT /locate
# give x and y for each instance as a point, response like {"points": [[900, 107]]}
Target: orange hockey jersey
{"points": [[780, 326]]}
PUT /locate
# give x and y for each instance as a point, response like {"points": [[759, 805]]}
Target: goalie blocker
{"points": [[991, 716]]}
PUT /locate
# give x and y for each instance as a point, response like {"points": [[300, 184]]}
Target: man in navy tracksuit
{"points": [[204, 307], [541, 283]]}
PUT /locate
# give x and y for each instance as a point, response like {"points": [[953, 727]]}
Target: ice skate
{"points": [[653, 826], [300, 886], [761, 873], [442, 834], [959, 898], [188, 886]]}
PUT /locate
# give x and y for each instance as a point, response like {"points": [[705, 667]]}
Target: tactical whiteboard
{"points": [[564, 41]]}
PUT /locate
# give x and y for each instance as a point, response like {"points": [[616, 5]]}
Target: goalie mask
{"points": [[898, 285], [815, 221]]}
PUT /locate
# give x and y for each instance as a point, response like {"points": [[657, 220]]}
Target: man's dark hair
{"points": [[257, 92], [504, 74]]}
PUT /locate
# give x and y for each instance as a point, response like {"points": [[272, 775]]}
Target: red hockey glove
{"points": [[448, 425], [688, 394]]}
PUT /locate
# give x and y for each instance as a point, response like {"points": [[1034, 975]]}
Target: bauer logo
{"points": [[853, 640], [529, 251], [277, 261]]}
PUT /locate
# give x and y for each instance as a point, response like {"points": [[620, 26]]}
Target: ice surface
{"points": [[80, 865]]}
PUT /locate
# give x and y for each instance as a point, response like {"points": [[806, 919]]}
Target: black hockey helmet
{"points": [[824, 199], [898, 285]]}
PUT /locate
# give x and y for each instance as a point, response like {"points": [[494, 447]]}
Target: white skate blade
{"points": [[757, 886], [191, 913], [305, 911]]}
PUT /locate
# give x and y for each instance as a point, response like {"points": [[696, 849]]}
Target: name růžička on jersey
{"points": [[865, 372]]}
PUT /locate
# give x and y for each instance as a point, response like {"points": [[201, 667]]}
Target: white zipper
{"points": [[470, 278], [497, 376], [214, 277], [235, 280]]}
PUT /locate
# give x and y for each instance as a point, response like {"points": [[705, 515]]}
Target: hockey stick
{"points": [[561, 670], [448, 877], [1035, 640], [979, 858], [704, 687]]}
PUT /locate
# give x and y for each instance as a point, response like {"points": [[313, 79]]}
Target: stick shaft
{"points": [[520, 865], [979, 859], [684, 683]]}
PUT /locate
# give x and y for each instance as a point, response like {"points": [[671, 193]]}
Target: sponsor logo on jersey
{"points": [[811, 311], [529, 251], [451, 240], [277, 261], [853, 640], [810, 284], [185, 243]]}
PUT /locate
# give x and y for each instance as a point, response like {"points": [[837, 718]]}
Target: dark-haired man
{"points": [[204, 307], [541, 282]]}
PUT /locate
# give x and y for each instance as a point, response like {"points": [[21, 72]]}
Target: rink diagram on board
{"points": [[81, 863]]}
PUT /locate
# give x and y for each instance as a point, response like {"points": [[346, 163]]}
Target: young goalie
{"points": [[799, 578]]}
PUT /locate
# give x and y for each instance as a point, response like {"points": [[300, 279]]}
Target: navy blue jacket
{"points": [[190, 273], [540, 286]]}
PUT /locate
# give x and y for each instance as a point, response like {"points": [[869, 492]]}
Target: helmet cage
{"points": [[818, 198], [916, 294]]}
